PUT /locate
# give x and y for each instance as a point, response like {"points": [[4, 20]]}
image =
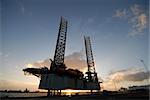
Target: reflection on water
{"points": [[4, 94]]}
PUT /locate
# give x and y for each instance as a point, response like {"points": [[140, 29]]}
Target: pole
{"points": [[48, 92]]}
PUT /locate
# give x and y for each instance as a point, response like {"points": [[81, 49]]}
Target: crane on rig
{"points": [[147, 71], [59, 77]]}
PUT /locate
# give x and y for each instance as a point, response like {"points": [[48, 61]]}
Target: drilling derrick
{"points": [[58, 62], [91, 73]]}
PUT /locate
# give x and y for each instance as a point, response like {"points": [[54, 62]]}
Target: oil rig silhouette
{"points": [[59, 77]]}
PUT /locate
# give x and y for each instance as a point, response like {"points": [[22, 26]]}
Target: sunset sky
{"points": [[118, 30]]}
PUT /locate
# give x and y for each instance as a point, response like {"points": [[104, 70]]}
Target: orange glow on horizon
{"points": [[70, 91]]}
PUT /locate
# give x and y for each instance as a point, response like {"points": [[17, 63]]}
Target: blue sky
{"points": [[118, 31]]}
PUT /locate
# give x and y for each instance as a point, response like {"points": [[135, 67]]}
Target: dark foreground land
{"points": [[85, 97]]}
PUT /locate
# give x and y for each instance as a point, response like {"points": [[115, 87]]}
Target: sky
{"points": [[118, 30]]}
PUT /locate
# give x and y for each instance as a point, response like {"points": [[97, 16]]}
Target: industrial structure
{"points": [[59, 77]]}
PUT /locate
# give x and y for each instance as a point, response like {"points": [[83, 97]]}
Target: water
{"points": [[5, 94]]}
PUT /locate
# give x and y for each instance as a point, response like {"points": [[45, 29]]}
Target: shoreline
{"points": [[84, 97]]}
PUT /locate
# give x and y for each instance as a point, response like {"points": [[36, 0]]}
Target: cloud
{"points": [[131, 75], [140, 76], [136, 9], [108, 85], [138, 20], [39, 64], [128, 75], [139, 24], [120, 13], [74, 61], [136, 17]]}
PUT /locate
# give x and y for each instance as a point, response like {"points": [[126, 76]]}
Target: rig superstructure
{"points": [[59, 77]]}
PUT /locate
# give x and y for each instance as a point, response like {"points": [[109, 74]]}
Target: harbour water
{"points": [[5, 94]]}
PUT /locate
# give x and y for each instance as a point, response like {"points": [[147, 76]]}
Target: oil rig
{"points": [[59, 77]]}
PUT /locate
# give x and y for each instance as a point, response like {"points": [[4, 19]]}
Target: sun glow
{"points": [[84, 70], [70, 92], [29, 65]]}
